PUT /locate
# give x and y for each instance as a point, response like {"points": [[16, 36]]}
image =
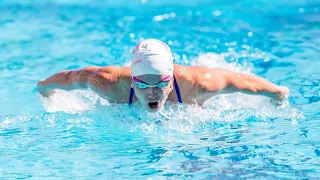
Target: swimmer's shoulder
{"points": [[113, 78], [191, 73], [200, 78], [194, 72], [184, 76], [183, 73]]}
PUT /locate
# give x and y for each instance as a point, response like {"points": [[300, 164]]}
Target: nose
{"points": [[152, 92]]}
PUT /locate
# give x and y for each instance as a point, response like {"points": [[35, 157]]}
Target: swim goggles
{"points": [[161, 84]]}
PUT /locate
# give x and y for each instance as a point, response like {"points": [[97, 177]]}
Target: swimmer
{"points": [[153, 79]]}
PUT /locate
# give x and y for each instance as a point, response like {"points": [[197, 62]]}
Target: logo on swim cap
{"points": [[136, 62], [145, 47], [151, 56]]}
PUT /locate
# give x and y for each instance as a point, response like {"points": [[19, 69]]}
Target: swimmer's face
{"points": [[152, 98]]}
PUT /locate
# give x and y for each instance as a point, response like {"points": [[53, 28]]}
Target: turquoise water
{"points": [[78, 135]]}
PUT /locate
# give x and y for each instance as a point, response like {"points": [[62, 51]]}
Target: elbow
{"points": [[41, 83]]}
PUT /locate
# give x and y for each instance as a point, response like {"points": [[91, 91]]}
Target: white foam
{"points": [[72, 101]]}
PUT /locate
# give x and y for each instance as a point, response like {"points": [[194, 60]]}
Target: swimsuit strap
{"points": [[177, 89], [175, 85], [131, 95]]}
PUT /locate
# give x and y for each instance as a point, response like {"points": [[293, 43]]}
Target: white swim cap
{"points": [[152, 56]]}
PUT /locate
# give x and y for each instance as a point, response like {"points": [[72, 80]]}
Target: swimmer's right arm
{"points": [[69, 80]]}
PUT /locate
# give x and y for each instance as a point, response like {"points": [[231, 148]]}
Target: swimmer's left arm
{"points": [[225, 82]]}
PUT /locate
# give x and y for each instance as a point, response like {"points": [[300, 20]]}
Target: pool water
{"points": [[81, 136]]}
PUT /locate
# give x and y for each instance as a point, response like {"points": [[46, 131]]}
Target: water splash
{"points": [[173, 118]]}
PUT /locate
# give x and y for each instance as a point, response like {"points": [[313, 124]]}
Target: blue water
{"points": [[81, 136]]}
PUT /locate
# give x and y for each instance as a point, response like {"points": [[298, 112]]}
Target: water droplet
{"points": [[184, 56], [120, 24], [250, 34], [158, 18], [245, 46], [208, 75], [301, 10], [216, 13], [172, 14]]}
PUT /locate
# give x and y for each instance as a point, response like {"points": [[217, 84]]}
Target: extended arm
{"points": [[68, 80], [225, 81]]}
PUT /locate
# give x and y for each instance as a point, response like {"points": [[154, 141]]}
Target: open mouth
{"points": [[153, 105]]}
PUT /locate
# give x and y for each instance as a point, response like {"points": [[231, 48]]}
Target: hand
{"points": [[284, 93], [282, 96]]}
